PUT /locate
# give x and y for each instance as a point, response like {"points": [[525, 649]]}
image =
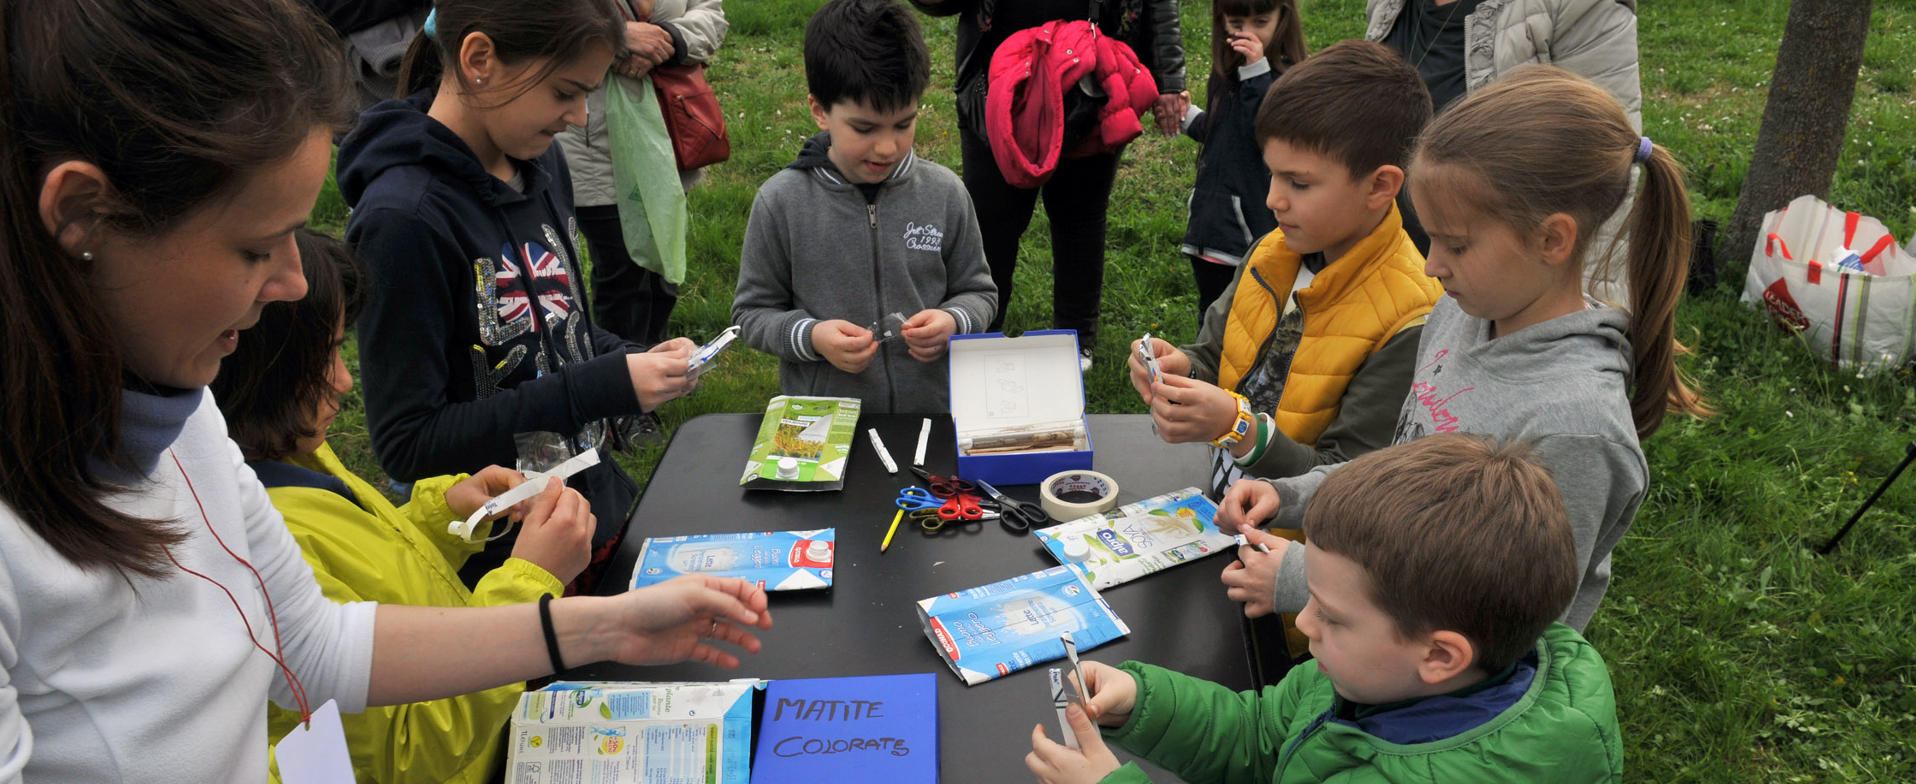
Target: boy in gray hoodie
{"points": [[858, 229]]}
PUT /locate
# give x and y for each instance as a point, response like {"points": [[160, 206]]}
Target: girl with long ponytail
{"points": [[1512, 183]]}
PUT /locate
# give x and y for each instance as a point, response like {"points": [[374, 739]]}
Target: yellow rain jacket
{"points": [[362, 548]]}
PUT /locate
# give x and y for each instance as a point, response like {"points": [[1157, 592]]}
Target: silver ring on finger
{"points": [[714, 632]]}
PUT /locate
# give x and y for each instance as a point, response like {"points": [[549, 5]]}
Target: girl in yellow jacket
{"points": [[280, 391]]}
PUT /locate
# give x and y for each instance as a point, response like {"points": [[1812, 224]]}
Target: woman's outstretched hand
{"points": [[685, 618]]}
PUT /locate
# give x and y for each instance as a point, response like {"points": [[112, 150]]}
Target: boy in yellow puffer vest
{"points": [[1305, 358]]}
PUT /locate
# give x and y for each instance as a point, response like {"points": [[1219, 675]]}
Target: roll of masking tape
{"points": [[1069, 495]]}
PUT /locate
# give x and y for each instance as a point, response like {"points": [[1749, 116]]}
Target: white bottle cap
{"points": [[788, 468], [1075, 549], [818, 551]]}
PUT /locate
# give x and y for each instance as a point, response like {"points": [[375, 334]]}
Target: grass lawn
{"points": [[1737, 654]]}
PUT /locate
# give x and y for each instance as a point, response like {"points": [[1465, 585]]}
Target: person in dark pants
{"points": [[1079, 191], [633, 293], [628, 300]]}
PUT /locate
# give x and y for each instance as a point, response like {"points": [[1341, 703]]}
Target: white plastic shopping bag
{"points": [[1838, 279]]}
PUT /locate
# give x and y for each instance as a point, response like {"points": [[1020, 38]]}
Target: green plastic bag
{"points": [[645, 177]]}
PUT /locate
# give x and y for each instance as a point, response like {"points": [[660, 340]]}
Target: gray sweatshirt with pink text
{"points": [[1563, 385]]}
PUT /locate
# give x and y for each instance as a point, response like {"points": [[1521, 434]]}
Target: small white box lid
{"points": [[998, 382]]}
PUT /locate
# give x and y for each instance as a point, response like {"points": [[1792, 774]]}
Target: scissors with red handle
{"points": [[960, 507]]}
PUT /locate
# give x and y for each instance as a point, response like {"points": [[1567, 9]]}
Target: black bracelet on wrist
{"points": [[552, 638]]}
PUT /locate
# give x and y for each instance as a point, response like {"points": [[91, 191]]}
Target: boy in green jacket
{"points": [[1437, 569]]}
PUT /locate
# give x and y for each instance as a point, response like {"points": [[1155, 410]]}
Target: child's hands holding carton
{"points": [[465, 497], [847, 346], [1187, 410], [1171, 362], [1252, 578], [558, 522], [558, 531], [1055, 763], [1111, 693], [1247, 503], [662, 372], [928, 332]]}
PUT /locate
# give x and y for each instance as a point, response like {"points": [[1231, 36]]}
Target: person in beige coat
{"points": [[631, 297], [1459, 46]]}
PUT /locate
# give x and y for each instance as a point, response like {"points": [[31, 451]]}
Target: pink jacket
{"points": [[1024, 103]]}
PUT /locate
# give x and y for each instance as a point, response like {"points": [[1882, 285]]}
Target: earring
{"points": [[480, 80], [86, 255]]}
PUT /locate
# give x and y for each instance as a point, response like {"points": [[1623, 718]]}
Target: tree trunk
{"points": [[1808, 108]]}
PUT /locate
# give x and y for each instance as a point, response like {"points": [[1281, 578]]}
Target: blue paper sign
{"points": [[879, 728]]}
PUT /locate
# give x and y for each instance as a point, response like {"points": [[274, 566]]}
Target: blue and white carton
{"points": [[998, 629], [1030, 382], [772, 560]]}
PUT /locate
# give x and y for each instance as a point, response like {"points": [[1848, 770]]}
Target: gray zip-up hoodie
{"points": [[1563, 385], [818, 248]]}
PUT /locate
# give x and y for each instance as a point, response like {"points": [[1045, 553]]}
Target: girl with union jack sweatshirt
{"points": [[476, 345]]}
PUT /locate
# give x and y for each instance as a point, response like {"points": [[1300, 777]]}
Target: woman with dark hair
{"points": [[155, 159], [476, 346], [280, 390], [1079, 191]]}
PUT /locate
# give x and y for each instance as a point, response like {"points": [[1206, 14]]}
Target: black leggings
{"points": [[1212, 279], [1075, 199], [628, 300]]}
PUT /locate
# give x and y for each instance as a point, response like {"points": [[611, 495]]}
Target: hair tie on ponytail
{"points": [[1643, 150], [431, 27]]}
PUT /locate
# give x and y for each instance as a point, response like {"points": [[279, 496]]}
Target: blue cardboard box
{"points": [[1030, 380]]}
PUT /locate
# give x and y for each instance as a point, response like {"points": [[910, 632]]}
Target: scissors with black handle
{"points": [[1018, 517]]}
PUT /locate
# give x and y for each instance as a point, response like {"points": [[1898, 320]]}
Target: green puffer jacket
{"points": [[1561, 727], [363, 548]]}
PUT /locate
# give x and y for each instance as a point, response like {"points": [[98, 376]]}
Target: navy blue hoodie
{"points": [[475, 326], [1227, 204]]}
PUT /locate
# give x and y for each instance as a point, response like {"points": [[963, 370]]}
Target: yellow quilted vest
{"points": [[1350, 309]]}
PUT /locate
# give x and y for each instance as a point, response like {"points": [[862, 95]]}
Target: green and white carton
{"points": [[803, 444]]}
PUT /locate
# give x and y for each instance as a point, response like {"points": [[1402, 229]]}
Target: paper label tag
{"points": [[316, 755]]}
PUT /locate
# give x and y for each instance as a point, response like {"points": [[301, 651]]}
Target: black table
{"points": [[867, 624]]}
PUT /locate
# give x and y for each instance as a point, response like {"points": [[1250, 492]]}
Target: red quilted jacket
{"points": [[1024, 103]]}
